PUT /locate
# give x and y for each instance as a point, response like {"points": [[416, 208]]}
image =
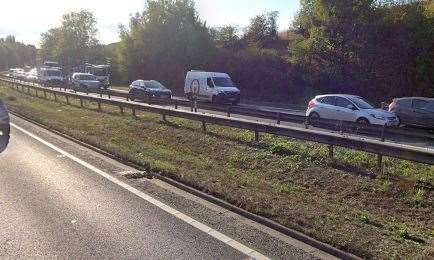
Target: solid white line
{"points": [[198, 225]]}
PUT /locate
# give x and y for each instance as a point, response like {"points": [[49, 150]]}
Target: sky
{"points": [[27, 19]]}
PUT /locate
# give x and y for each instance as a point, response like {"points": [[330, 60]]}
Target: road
{"points": [[58, 198], [409, 140]]}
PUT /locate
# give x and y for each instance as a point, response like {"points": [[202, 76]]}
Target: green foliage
{"points": [[15, 54], [262, 29], [164, 41], [73, 42], [381, 49]]}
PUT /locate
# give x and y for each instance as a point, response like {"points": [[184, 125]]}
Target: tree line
{"points": [[376, 48], [15, 54]]}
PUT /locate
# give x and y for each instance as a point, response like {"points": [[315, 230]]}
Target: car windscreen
{"points": [[362, 104], [223, 82], [54, 73], [155, 85], [86, 77]]}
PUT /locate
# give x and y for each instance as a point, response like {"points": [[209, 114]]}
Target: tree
{"points": [[15, 54], [262, 29], [72, 42], [226, 37], [363, 47], [164, 41]]}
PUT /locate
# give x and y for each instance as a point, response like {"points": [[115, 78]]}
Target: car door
{"points": [[343, 112], [404, 110], [327, 107], [421, 113]]}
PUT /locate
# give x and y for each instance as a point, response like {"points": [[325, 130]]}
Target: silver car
{"points": [[414, 111], [85, 82], [349, 108]]}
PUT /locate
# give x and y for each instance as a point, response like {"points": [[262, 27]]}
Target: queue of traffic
{"points": [[219, 88]]}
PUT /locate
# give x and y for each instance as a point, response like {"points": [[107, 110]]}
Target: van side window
{"points": [[209, 83]]}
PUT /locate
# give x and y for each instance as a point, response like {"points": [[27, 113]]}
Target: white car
{"points": [[85, 82], [211, 86], [349, 108]]}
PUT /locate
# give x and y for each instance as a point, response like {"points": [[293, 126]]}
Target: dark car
{"points": [[414, 111], [140, 89], [4, 119]]}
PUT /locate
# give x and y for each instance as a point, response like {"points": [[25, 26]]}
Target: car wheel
{"points": [[314, 116], [363, 121]]}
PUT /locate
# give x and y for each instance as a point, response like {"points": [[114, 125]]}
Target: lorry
{"points": [[51, 76], [101, 72], [214, 87]]}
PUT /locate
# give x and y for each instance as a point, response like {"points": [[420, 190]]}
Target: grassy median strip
{"points": [[290, 181]]}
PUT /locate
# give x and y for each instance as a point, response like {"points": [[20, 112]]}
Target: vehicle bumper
{"points": [[5, 126], [386, 122], [228, 98]]}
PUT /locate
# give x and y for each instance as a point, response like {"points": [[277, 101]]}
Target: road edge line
{"points": [[254, 217]]}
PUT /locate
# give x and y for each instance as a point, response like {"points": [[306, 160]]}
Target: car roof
{"points": [[208, 73], [423, 98], [79, 74], [338, 95]]}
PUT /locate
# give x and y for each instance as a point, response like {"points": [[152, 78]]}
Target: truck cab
{"points": [[214, 87], [50, 76], [101, 72]]}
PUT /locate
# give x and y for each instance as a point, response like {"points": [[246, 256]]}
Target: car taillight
{"points": [[392, 106], [311, 104]]}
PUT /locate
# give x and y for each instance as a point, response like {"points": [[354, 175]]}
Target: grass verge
{"points": [[289, 181]]}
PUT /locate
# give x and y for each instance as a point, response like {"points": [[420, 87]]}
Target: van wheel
{"points": [[363, 121]]}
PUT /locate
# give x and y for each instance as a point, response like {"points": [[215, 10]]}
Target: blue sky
{"points": [[27, 19]]}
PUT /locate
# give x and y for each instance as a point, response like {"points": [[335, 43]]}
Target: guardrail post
{"points": [[45, 94], [36, 92], [133, 110], [195, 105], [341, 127], [383, 133], [331, 151], [55, 96], [122, 109], [164, 117], [278, 118], [108, 93], [28, 90], [380, 163], [67, 99], [204, 126], [81, 102], [99, 105], [176, 104], [100, 93], [257, 136], [229, 112]]}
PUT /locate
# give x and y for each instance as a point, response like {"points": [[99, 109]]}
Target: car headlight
{"points": [[378, 117]]}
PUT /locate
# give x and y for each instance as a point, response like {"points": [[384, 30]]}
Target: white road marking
{"points": [[181, 216]]}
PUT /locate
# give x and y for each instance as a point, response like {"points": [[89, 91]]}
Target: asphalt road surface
{"points": [[58, 198]]}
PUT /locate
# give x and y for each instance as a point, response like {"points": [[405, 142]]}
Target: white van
{"points": [[51, 77], [211, 86]]}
